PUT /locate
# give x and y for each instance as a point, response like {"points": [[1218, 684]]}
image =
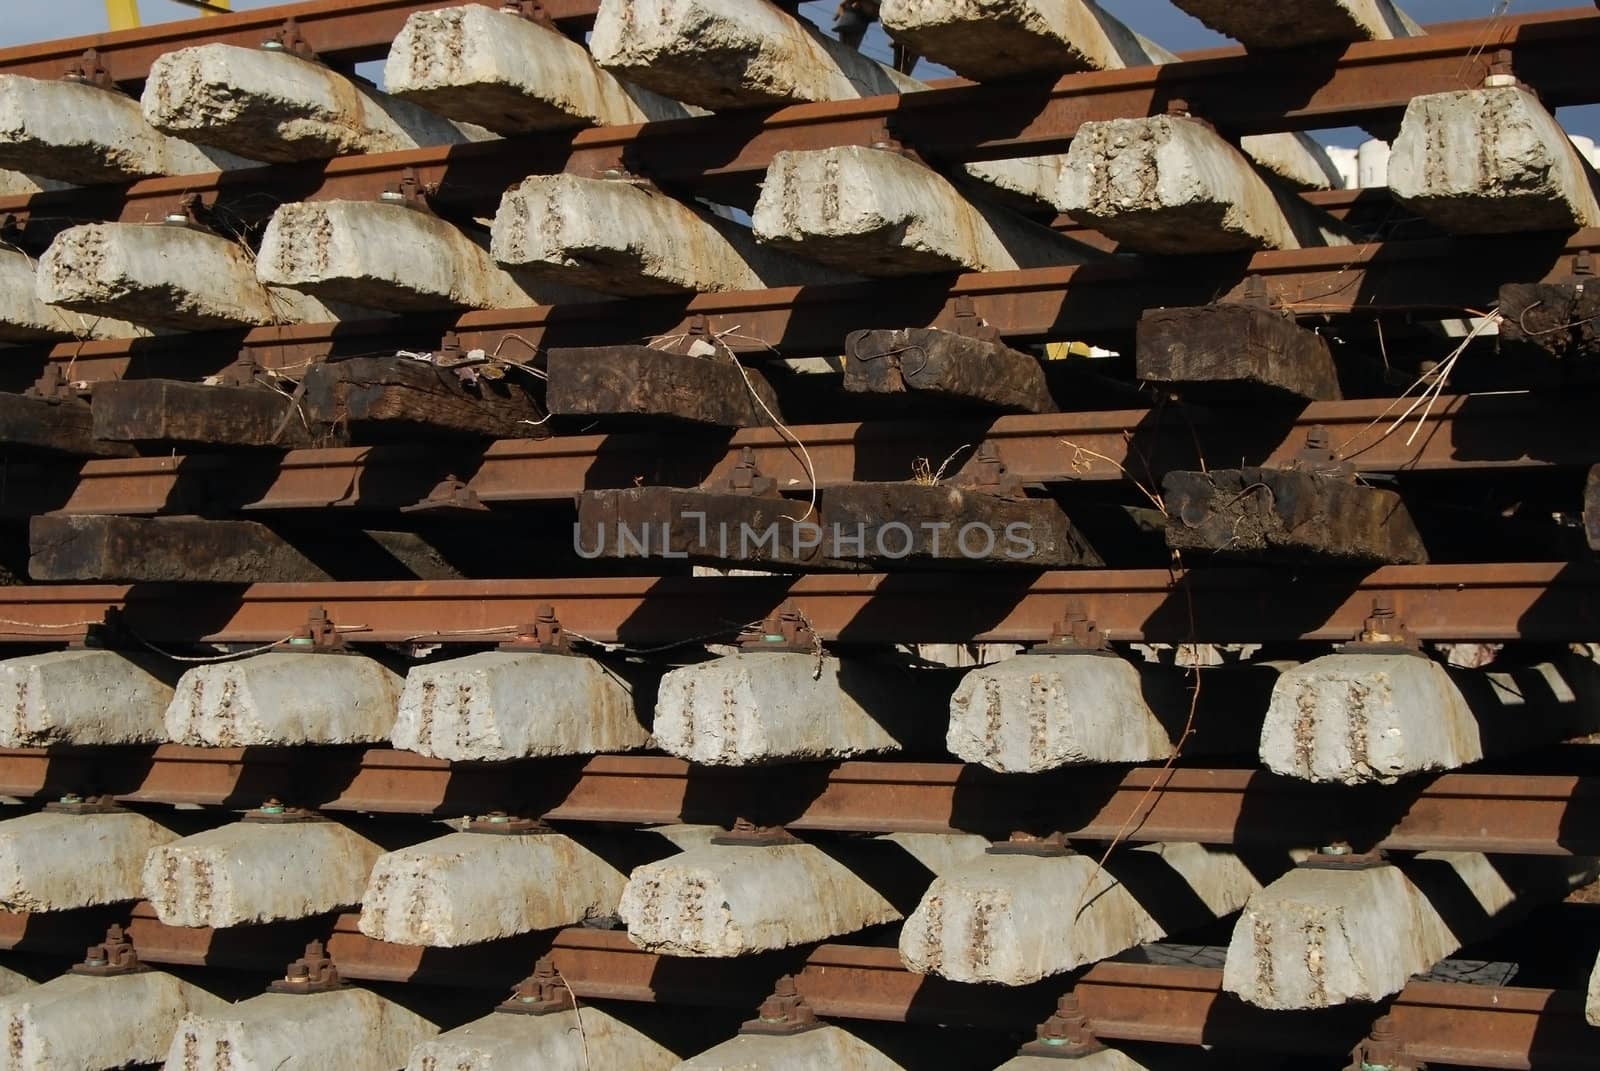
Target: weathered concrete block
{"points": [[1169, 184], [350, 1029], [731, 900], [1033, 184], [1297, 158], [80, 134], [1104, 1060], [877, 213], [732, 54], [761, 706], [1041, 712], [1492, 160], [511, 75], [1353, 718], [499, 705], [14, 982], [56, 862], [1316, 938], [991, 39], [81, 696], [284, 698], [157, 275], [1591, 1007], [826, 1048], [622, 238], [1290, 23], [274, 106], [1014, 919], [24, 318], [1026, 184], [388, 256], [465, 888], [1360, 718], [20, 184], [251, 872], [83, 1023], [560, 1041]]}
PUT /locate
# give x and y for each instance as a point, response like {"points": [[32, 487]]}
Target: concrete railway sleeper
{"points": [[306, 671], [1446, 1023]]}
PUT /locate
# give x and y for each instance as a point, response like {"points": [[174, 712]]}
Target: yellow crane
{"points": [[124, 14]]}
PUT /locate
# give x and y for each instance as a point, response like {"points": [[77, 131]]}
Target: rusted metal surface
{"points": [[1462, 433], [1448, 1022], [1511, 814], [1081, 302], [341, 31], [1444, 603]]}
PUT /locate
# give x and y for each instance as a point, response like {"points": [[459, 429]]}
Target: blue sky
{"points": [[31, 20]]}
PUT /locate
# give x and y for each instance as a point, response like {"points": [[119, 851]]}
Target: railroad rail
{"points": [[1540, 805], [1516, 814], [1478, 603], [1462, 433], [342, 31], [1451, 1022]]}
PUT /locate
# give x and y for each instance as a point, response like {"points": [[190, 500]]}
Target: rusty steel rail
{"points": [[1512, 814], [725, 155], [1441, 1022], [341, 31], [1101, 299], [344, 31], [1464, 432], [1479, 603]]}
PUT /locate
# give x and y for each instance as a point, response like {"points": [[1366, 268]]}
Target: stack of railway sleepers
{"points": [[653, 540]]}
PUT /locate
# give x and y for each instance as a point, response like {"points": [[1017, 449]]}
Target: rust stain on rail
{"points": [[1510, 814]]}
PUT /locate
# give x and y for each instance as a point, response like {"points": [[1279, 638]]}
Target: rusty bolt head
{"points": [[783, 1013], [542, 992], [113, 956], [1065, 1033]]}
